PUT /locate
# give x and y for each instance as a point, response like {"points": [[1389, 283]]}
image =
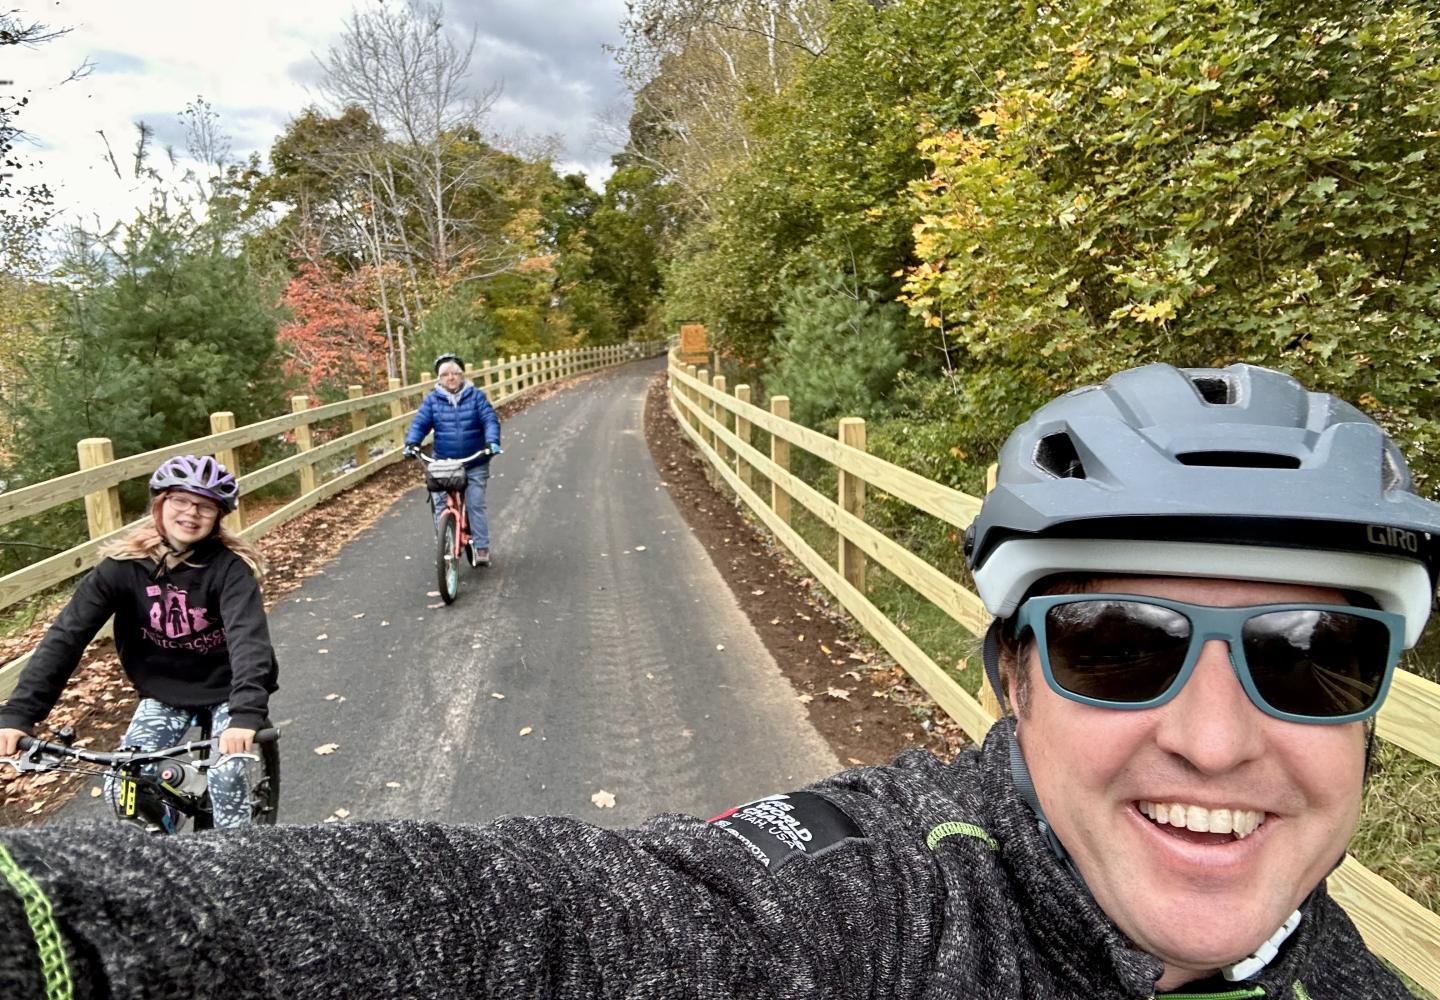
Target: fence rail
{"points": [[98, 480], [718, 422]]}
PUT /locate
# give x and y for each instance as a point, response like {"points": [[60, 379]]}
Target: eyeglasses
{"points": [[182, 503], [1298, 662]]}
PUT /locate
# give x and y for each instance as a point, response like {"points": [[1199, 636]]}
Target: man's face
{"points": [[1197, 901], [452, 376]]}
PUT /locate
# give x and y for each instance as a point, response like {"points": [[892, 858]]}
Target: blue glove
{"points": [[495, 448], [410, 451]]}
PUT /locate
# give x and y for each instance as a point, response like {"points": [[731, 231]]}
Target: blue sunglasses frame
{"points": [[1210, 622]]}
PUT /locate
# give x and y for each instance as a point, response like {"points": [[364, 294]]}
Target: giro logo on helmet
{"points": [[1393, 538]]}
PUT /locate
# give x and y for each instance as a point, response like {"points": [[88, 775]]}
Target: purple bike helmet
{"points": [[199, 474]]}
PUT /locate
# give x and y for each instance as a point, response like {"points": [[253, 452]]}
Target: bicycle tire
{"points": [[265, 792], [447, 567]]}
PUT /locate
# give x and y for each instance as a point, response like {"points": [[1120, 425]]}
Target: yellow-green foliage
{"points": [[1200, 182]]}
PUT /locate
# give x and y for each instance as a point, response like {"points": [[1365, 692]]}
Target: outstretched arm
{"points": [[523, 907]]}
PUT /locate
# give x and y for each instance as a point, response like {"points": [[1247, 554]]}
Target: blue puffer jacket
{"points": [[464, 422]]}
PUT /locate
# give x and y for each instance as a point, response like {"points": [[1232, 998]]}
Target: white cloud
{"points": [[254, 64]]}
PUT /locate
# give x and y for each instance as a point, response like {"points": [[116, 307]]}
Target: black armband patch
{"points": [[778, 828]]}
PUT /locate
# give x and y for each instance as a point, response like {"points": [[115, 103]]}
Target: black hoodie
{"points": [[190, 636]]}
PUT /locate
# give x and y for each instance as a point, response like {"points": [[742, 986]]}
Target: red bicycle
{"points": [[452, 541]]}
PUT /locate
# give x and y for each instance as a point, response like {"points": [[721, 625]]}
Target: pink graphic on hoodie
{"points": [[174, 624]]}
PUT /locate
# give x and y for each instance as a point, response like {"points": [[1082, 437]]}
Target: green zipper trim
{"points": [[41, 917], [1301, 993], [1229, 995], [959, 829]]}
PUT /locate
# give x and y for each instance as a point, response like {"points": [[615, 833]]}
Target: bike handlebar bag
{"points": [[446, 474]]}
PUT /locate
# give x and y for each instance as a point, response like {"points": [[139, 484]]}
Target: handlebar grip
{"points": [[269, 735], [26, 742]]}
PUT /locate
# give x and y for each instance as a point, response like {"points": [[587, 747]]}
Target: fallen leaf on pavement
{"points": [[342, 813], [360, 615], [322, 636], [603, 800], [392, 784], [497, 696], [842, 693], [526, 730], [326, 748], [805, 699]]}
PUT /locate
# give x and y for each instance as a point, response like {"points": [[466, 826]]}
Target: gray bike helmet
{"points": [[440, 360], [1235, 472]]}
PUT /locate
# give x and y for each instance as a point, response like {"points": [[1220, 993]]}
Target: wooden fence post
{"points": [[358, 420], [743, 469], [693, 395], [706, 409], [718, 414], [397, 409], [303, 442], [852, 500], [989, 697], [780, 455], [102, 508], [230, 458]]}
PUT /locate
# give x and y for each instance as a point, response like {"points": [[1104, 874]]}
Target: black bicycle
{"points": [[164, 791]]}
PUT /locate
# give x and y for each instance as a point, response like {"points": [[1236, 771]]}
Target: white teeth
{"points": [[1240, 822]]}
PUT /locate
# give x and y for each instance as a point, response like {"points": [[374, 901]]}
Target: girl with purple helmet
{"points": [[190, 629]]}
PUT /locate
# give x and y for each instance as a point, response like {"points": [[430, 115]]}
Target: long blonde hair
{"points": [[144, 541]]}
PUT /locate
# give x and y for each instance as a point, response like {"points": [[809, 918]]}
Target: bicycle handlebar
{"points": [[33, 750], [428, 459]]}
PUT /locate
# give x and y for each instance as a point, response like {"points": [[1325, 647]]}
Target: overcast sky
{"points": [[254, 62]]}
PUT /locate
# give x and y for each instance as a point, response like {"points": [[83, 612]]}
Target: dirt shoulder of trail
{"points": [[99, 701], [864, 705]]}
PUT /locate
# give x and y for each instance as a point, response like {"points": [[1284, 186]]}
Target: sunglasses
{"points": [[1318, 663]]}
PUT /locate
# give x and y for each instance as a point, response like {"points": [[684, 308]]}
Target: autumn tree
{"points": [[332, 338]]}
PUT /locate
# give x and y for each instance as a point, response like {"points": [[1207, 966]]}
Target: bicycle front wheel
{"points": [[447, 566]]}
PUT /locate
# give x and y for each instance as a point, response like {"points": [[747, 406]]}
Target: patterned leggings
{"points": [[156, 724]]}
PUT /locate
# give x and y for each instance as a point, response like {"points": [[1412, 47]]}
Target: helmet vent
{"points": [[1238, 460], [1056, 455], [1214, 389], [1392, 473]]}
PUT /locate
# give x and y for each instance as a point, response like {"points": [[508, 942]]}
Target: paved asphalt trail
{"points": [[601, 623]]}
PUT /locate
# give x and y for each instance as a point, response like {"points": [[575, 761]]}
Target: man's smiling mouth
{"points": [[1198, 819]]}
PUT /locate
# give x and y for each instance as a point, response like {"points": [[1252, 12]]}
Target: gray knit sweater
{"points": [[942, 889]]}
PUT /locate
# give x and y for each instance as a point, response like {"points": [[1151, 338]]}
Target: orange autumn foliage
{"points": [[332, 339]]}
